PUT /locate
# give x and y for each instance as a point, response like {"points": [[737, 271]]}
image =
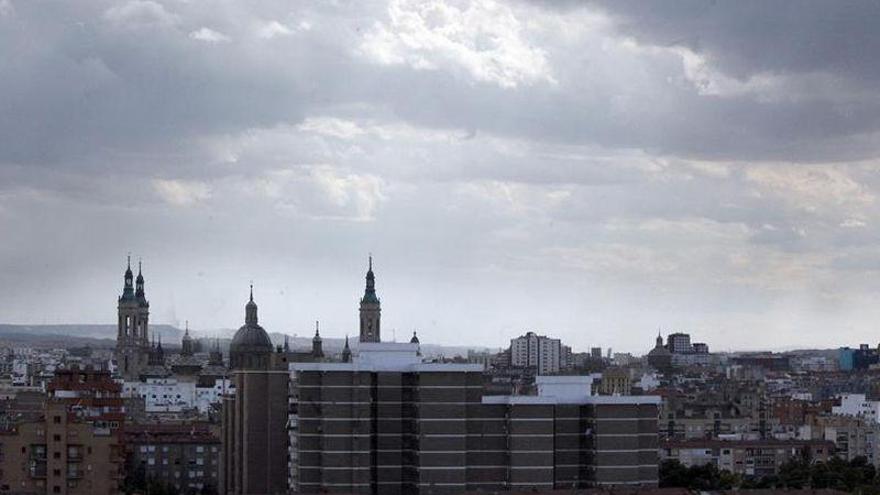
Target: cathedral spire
{"points": [[346, 352]]}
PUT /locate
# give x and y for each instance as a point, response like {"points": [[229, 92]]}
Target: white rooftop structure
{"points": [[387, 356]]}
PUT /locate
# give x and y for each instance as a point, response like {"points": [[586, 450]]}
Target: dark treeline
{"points": [[856, 476]]}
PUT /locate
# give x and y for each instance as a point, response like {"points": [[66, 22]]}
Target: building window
{"points": [[57, 420]]}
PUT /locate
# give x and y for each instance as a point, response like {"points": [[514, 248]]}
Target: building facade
{"points": [[749, 458], [184, 456], [536, 351], [679, 343], [60, 454], [390, 424]]}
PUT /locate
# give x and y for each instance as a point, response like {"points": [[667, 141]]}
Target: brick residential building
{"points": [[60, 454], [185, 456]]}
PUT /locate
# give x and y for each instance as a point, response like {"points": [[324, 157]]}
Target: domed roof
{"points": [[414, 339], [251, 336]]}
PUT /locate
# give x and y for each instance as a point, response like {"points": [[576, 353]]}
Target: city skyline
{"points": [[587, 170]]}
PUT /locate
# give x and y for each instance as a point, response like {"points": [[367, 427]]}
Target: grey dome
{"points": [[251, 337]]}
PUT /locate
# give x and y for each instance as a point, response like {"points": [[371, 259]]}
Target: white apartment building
{"points": [[858, 405], [170, 395], [538, 351]]}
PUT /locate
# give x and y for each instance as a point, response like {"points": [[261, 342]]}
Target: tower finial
{"points": [[139, 266], [316, 328], [129, 260], [252, 291], [371, 262]]}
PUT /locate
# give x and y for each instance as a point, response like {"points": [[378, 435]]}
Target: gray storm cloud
{"points": [[588, 170]]}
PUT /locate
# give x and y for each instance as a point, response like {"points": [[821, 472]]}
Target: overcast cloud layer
{"points": [[592, 171]]}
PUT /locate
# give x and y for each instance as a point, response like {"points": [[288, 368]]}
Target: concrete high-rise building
{"points": [[536, 351], [254, 457], [370, 310], [132, 337], [679, 343], [700, 348], [388, 423]]}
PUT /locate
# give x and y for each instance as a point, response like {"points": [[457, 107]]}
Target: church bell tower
{"points": [[132, 337], [370, 309]]}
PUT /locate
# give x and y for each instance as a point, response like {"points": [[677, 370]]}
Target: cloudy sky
{"points": [[593, 171]]}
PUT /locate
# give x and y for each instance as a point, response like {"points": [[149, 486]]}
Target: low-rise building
{"points": [[749, 458]]}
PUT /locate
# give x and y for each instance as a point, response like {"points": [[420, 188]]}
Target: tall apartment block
{"points": [[389, 424], [537, 351]]}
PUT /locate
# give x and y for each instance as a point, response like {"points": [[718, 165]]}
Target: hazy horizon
{"points": [[591, 171]]}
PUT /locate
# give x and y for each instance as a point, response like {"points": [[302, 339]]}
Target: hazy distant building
{"points": [[132, 338], [660, 357], [700, 348], [596, 352], [536, 351], [615, 381], [679, 343]]}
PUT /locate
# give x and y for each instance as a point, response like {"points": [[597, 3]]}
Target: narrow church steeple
{"points": [[346, 352], [370, 309]]}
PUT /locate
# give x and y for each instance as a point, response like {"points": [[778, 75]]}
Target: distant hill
{"points": [[76, 335], [98, 336], [334, 345]]}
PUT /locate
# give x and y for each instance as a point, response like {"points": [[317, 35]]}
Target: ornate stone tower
{"points": [[317, 344], [370, 310], [132, 338]]}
